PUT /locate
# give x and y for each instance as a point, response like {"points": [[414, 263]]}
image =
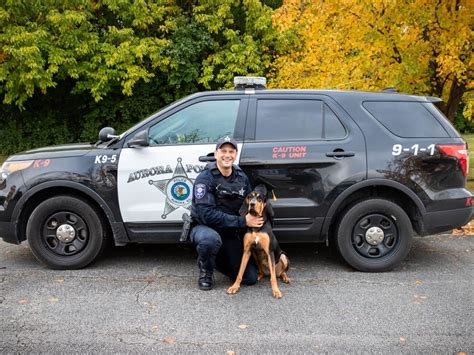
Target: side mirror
{"points": [[106, 134], [140, 139]]}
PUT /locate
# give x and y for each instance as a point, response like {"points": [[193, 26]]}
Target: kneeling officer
{"points": [[219, 191]]}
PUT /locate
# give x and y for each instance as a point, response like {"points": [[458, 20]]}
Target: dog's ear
{"points": [[269, 212], [244, 209], [262, 191]]}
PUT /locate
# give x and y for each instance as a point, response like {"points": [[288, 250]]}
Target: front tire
{"points": [[374, 235], [65, 232]]}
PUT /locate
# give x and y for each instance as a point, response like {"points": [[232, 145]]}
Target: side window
{"points": [[406, 119], [203, 122], [296, 120], [333, 128]]}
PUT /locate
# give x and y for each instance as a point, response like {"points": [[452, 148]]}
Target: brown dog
{"points": [[262, 243]]}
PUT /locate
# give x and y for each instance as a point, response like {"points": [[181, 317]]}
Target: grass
{"points": [[469, 138], [2, 159]]}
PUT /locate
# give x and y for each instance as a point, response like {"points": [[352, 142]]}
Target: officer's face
{"points": [[225, 156]]}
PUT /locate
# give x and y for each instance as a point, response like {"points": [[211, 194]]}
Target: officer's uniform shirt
{"points": [[217, 199]]}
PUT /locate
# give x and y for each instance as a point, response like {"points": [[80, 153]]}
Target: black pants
{"points": [[222, 252]]}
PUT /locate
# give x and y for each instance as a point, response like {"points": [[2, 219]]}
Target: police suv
{"points": [[362, 170]]}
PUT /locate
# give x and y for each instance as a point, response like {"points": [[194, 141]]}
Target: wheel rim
{"points": [[65, 233], [375, 236]]}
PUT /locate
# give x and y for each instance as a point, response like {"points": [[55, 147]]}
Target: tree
{"points": [[244, 39], [418, 46], [69, 67], [99, 44]]}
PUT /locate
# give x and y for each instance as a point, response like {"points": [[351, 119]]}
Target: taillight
{"points": [[459, 151]]}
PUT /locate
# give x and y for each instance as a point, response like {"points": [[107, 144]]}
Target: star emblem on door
{"points": [[177, 189]]}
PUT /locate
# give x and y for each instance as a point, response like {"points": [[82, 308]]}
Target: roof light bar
{"points": [[245, 82]]}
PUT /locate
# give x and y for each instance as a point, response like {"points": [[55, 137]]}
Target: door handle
{"points": [[340, 154], [207, 158]]}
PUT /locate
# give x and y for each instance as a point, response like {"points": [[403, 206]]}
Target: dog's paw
{"points": [[284, 277], [260, 276], [276, 293], [233, 289]]}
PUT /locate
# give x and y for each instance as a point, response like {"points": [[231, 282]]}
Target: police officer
{"points": [[219, 191]]}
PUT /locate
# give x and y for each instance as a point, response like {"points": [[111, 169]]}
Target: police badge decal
{"points": [[177, 190]]}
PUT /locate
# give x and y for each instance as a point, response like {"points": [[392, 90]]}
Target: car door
{"points": [[155, 182], [308, 148]]}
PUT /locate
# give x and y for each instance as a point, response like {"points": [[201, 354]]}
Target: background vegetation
{"points": [[70, 67]]}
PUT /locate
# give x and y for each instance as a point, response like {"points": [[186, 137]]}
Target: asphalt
{"points": [[144, 298]]}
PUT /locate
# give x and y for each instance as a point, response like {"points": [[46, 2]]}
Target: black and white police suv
{"points": [[363, 170]]}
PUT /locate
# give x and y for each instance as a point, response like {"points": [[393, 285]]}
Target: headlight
{"points": [[11, 166]]}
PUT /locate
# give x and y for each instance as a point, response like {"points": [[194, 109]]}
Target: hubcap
{"points": [[374, 236], [66, 233]]}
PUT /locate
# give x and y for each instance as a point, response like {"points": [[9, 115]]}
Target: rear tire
{"points": [[374, 235], [65, 232]]}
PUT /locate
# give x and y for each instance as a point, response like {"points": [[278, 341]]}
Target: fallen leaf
{"points": [[59, 280], [418, 282], [419, 299], [169, 340], [23, 301], [155, 328], [403, 340], [462, 353], [53, 300], [243, 326], [230, 352]]}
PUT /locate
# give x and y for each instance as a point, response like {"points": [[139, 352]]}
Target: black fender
{"points": [[118, 229], [368, 183]]}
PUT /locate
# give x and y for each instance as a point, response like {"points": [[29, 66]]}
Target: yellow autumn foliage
{"points": [[418, 46]]}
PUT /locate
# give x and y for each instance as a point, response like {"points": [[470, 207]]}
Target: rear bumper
{"points": [[7, 232], [443, 221]]}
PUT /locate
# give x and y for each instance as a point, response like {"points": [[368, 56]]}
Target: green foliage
{"points": [[70, 67], [460, 122], [99, 44], [244, 40]]}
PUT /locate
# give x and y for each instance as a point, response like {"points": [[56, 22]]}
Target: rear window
{"points": [[406, 119], [297, 120]]}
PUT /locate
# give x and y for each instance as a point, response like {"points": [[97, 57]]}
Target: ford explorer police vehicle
{"points": [[362, 170]]}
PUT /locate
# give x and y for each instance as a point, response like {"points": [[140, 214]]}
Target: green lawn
{"points": [[469, 138]]}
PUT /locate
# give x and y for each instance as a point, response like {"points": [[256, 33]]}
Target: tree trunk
{"points": [[455, 95]]}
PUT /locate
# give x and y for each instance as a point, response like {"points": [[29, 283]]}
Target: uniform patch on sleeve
{"points": [[199, 191]]}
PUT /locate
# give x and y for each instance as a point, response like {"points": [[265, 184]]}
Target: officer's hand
{"points": [[253, 221]]}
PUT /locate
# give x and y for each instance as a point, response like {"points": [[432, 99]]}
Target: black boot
{"points": [[206, 278]]}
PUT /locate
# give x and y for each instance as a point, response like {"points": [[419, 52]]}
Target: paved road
{"points": [[143, 298]]}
